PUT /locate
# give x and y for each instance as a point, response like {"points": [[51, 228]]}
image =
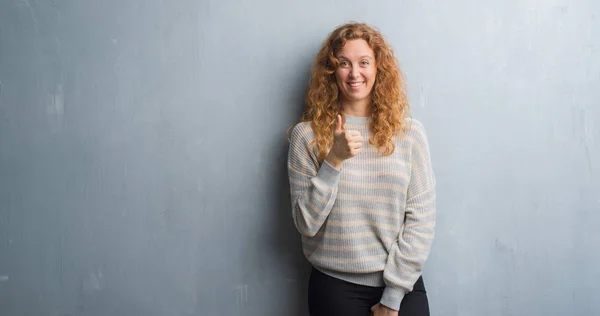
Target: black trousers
{"points": [[329, 296]]}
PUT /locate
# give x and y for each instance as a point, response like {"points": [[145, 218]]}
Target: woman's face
{"points": [[356, 72]]}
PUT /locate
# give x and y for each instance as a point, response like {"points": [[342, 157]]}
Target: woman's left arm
{"points": [[408, 254]]}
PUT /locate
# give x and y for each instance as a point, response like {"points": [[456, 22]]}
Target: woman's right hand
{"points": [[346, 144]]}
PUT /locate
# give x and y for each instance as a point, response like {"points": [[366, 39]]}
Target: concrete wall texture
{"points": [[142, 152]]}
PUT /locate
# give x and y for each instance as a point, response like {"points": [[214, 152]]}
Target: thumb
{"points": [[338, 125]]}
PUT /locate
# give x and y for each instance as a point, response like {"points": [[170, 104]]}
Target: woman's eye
{"points": [[365, 62]]}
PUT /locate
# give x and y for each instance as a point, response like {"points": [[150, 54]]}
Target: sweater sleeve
{"points": [[313, 188], [408, 254]]}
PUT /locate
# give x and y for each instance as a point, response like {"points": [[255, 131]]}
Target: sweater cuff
{"points": [[328, 174], [392, 298]]}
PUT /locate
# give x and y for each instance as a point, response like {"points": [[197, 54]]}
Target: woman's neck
{"points": [[357, 108]]}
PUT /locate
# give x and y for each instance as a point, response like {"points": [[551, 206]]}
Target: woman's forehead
{"points": [[358, 48]]}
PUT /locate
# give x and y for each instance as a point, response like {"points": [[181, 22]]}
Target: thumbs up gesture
{"points": [[346, 144]]}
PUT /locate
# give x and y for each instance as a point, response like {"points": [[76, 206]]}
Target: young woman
{"points": [[361, 181]]}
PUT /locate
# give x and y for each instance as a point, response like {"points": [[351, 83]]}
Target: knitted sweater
{"points": [[373, 221]]}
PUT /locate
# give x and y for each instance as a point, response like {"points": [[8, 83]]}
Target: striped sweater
{"points": [[373, 221]]}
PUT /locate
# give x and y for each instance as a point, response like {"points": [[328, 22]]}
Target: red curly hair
{"points": [[389, 102]]}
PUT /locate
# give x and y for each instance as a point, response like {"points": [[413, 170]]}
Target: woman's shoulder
{"points": [[301, 132], [414, 128], [411, 124]]}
